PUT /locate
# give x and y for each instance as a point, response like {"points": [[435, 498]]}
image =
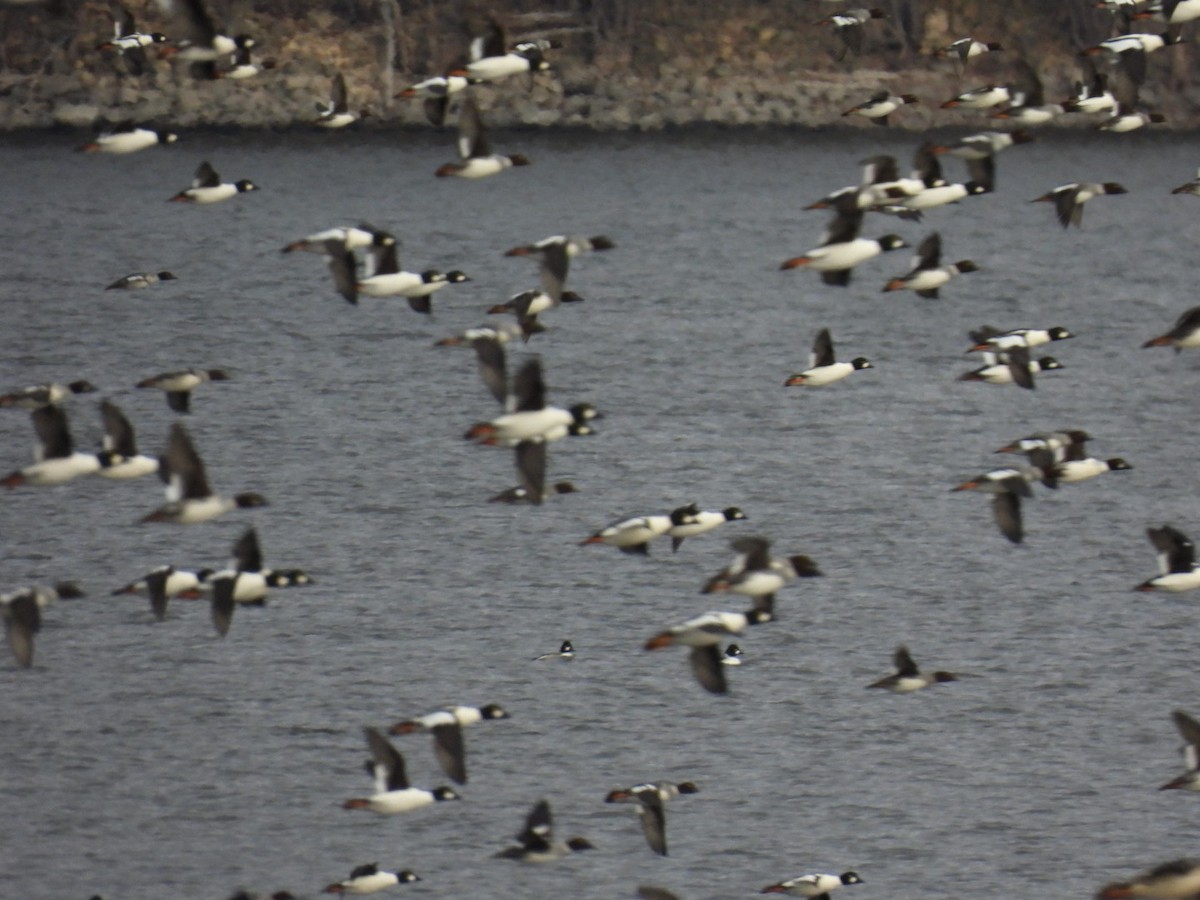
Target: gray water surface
{"points": [[151, 760]]}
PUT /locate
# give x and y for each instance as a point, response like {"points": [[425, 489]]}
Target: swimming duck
{"points": [[566, 650]]}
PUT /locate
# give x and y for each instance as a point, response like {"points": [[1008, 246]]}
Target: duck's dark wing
{"points": [[387, 759], [156, 589], [906, 667], [929, 252], [493, 367], [206, 176], [192, 19], [706, 666], [538, 826], [555, 263], [1187, 322], [472, 139], [822, 350], [1018, 365], [755, 550], [118, 432], [1029, 84], [337, 97], [183, 467], [22, 620], [450, 751], [654, 820], [344, 269], [1006, 507], [531, 469], [1069, 211], [529, 391], [1175, 550], [222, 604], [247, 555], [1189, 728], [50, 425]]}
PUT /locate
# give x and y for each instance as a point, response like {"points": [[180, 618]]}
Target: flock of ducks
{"points": [[363, 261]]}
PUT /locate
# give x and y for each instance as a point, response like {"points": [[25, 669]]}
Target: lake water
{"points": [[151, 760]]}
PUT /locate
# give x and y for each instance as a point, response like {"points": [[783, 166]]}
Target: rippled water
{"points": [[146, 760]]}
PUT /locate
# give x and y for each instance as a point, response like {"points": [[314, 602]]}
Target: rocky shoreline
{"points": [[624, 103], [744, 76]]}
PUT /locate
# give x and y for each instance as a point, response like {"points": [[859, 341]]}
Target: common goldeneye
{"points": [[393, 792], [475, 156], [536, 842], [207, 187], [928, 275], [189, 498], [179, 385], [908, 677], [1068, 199], [369, 878], [446, 725], [823, 367], [1177, 569]]}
